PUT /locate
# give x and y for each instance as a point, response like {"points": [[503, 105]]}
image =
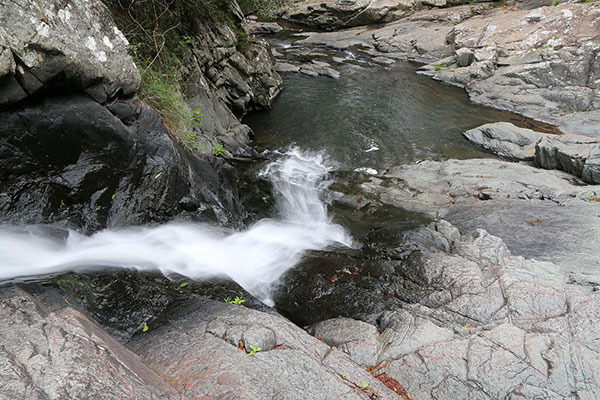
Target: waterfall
{"points": [[255, 258]]}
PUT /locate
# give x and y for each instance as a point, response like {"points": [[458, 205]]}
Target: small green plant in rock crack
{"points": [[238, 301], [197, 117], [254, 349], [218, 150]]}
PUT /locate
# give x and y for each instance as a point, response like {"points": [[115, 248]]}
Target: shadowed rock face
{"points": [[70, 159]]}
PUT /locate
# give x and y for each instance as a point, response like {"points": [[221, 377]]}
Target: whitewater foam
{"points": [[255, 258]]}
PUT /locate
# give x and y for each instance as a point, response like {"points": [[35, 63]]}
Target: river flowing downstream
{"points": [[255, 258]]}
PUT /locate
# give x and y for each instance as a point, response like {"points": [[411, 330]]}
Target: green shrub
{"points": [[160, 89], [160, 33]]}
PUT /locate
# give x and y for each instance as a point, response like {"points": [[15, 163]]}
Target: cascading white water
{"points": [[255, 258]]}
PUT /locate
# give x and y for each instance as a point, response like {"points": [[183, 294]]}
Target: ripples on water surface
{"points": [[373, 117]]}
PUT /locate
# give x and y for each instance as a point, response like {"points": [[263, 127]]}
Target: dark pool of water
{"points": [[406, 116]]}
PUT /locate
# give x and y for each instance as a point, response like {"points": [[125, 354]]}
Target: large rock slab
{"points": [[73, 46], [332, 14], [506, 140], [566, 153], [72, 160], [486, 325], [542, 63], [61, 354], [546, 214], [569, 153], [206, 350]]}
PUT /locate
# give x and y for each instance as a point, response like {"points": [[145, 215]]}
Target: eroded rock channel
{"points": [[332, 223]]}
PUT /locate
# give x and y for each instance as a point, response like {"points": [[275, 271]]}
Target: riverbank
{"points": [[459, 271]]}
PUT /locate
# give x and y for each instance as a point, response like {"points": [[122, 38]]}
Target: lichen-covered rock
{"points": [[71, 46], [61, 354]]}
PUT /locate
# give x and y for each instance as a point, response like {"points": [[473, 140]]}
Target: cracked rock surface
{"points": [[209, 341], [61, 354], [542, 214], [488, 326]]}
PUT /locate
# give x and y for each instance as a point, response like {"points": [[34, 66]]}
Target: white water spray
{"points": [[255, 258]]}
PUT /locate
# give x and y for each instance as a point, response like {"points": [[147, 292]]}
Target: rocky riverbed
{"points": [[474, 278]]}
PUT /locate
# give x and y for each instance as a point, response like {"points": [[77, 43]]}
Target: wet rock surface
{"points": [[70, 160], [123, 302]]}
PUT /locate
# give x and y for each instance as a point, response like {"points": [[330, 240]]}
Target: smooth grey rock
{"points": [[61, 354], [582, 123], [464, 57], [76, 42], [538, 213], [259, 337], [556, 154], [356, 338], [591, 168], [202, 351], [506, 140]]}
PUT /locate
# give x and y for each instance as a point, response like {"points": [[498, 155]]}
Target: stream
{"points": [[371, 118]]}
